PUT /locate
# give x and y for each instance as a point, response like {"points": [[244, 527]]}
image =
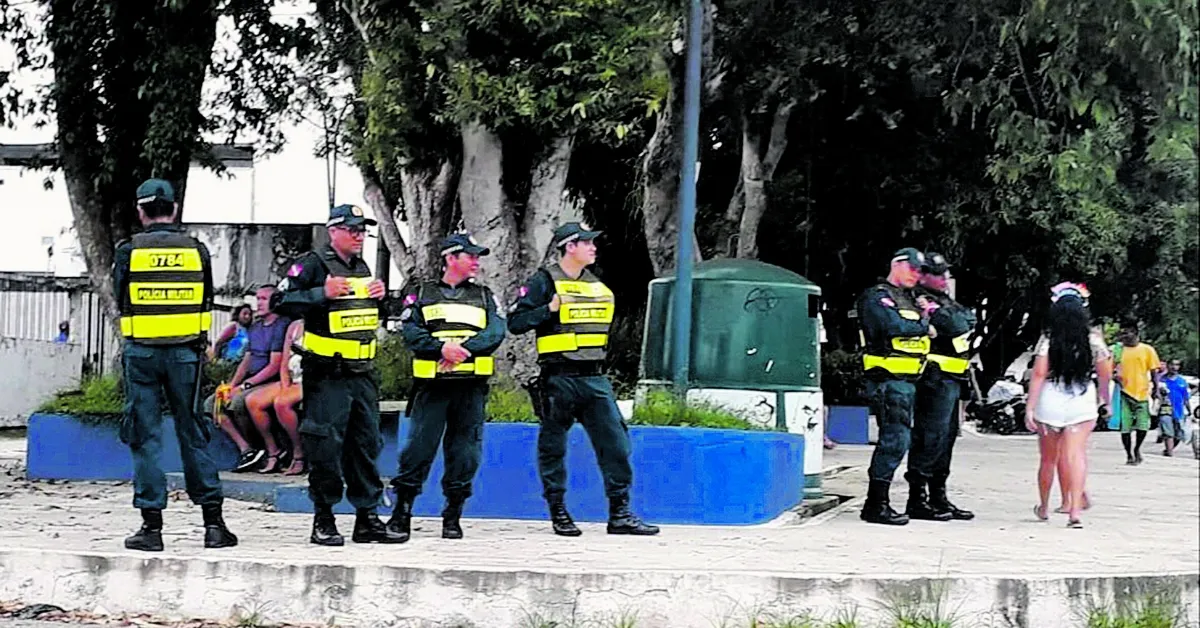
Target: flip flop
{"points": [[1040, 513], [1075, 524]]}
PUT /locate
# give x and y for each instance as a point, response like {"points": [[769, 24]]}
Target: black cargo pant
{"points": [[562, 399], [150, 373], [935, 427], [448, 413], [340, 434], [892, 402]]}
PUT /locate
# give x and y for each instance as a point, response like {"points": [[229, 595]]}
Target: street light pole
{"points": [[682, 313]]}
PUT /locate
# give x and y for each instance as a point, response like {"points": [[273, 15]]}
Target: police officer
{"points": [[896, 338], [332, 289], [452, 327], [938, 392], [571, 311], [163, 282]]}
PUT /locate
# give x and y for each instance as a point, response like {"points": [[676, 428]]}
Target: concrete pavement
{"points": [[62, 545]]}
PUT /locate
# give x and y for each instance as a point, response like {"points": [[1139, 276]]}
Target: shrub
{"points": [[841, 378], [394, 362], [665, 409], [508, 402], [97, 400]]}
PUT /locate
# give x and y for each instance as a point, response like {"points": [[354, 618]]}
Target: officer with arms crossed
{"points": [[333, 290], [571, 311], [452, 327], [939, 390], [896, 339], [163, 282]]}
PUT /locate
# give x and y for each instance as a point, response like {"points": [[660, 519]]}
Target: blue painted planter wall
{"points": [[849, 424], [681, 475]]}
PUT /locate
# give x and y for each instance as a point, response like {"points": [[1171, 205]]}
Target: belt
{"points": [[428, 369], [571, 369]]}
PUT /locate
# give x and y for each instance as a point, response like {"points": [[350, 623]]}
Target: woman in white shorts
{"points": [[1063, 400]]}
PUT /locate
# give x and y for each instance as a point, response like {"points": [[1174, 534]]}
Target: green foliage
{"points": [[665, 409], [541, 67], [508, 402], [216, 372], [1154, 611], [841, 378], [98, 400], [394, 362]]}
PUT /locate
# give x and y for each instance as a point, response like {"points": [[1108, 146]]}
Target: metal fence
{"points": [[32, 309]]}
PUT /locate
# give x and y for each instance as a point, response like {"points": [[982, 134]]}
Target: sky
{"points": [[288, 187]]}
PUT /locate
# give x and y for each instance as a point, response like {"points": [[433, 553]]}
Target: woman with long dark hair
{"points": [[1063, 399]]}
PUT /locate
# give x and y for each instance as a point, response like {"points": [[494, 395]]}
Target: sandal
{"points": [[1040, 513], [299, 466], [1075, 524], [272, 464], [1087, 504]]}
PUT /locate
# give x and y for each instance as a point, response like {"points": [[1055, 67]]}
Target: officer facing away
{"points": [[935, 428], [571, 311], [332, 288], [452, 327], [896, 338], [163, 282]]}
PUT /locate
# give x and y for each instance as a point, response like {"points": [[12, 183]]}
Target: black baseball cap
{"points": [[348, 216], [462, 243], [155, 190], [935, 264], [573, 231], [910, 255]]}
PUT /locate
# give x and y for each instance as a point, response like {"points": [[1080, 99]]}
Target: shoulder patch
{"points": [[295, 270], [888, 301], [285, 284], [409, 299]]}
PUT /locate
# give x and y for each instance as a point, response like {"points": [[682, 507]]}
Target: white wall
{"points": [[33, 371]]}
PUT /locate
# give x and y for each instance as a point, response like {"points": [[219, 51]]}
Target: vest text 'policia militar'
{"points": [[579, 330], [165, 301], [453, 319], [344, 327]]}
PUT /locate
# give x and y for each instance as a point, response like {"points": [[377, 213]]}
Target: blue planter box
{"points": [[849, 424], [681, 475], [60, 447]]}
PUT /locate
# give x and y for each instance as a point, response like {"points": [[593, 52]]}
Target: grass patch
{"points": [[98, 400], [508, 402], [663, 408], [1157, 611]]}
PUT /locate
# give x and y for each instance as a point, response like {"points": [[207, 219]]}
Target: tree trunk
{"points": [[750, 195], [427, 205], [660, 191], [518, 246]]}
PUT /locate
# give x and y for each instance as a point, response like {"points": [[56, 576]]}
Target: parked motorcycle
{"points": [[1002, 411]]}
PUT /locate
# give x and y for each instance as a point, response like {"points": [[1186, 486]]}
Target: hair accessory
{"points": [[1069, 289]]}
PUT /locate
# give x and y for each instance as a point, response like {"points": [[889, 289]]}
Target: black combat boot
{"points": [[451, 528], [149, 537], [369, 529], [325, 530], [216, 535], [918, 503], [939, 501], [561, 519], [878, 509], [400, 523], [622, 521]]}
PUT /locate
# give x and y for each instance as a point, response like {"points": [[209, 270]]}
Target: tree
{"points": [[473, 110], [127, 97]]}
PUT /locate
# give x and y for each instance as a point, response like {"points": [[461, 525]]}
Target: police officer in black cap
{"points": [[938, 393], [896, 339], [164, 288], [333, 290], [452, 326], [571, 311]]}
